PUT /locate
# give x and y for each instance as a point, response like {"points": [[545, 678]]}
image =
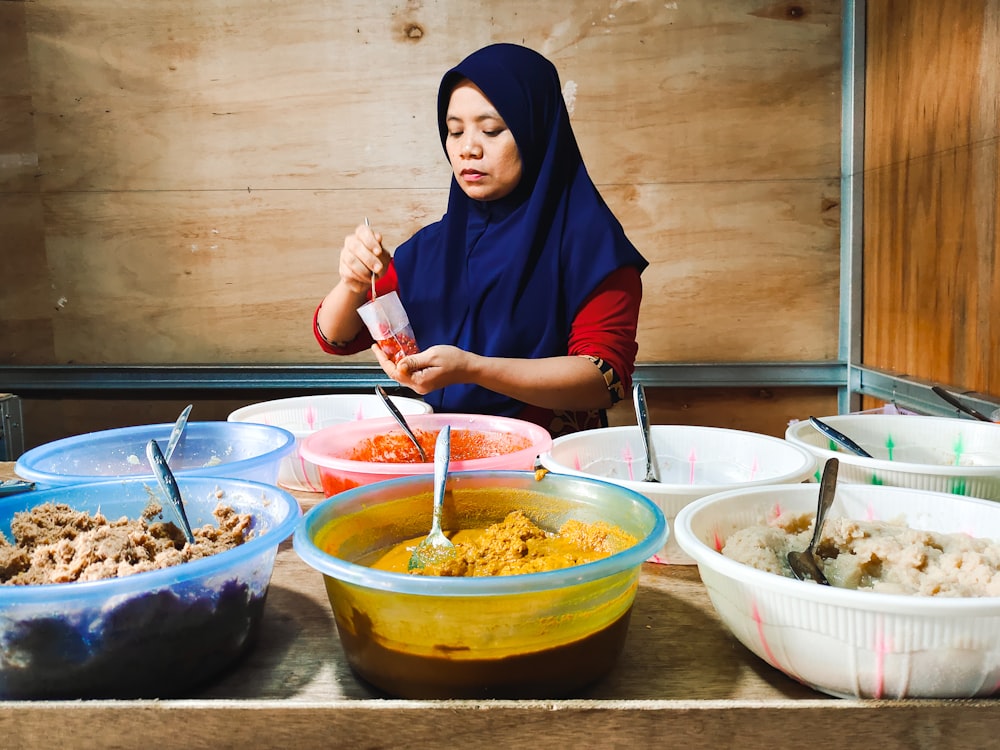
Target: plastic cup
{"points": [[389, 325]]}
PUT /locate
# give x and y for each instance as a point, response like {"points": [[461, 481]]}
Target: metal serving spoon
{"points": [[436, 547], [14, 486], [839, 438], [642, 416], [959, 405], [169, 486], [175, 434], [803, 564], [402, 421]]}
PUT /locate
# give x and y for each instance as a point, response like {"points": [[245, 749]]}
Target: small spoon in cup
{"points": [[803, 564]]}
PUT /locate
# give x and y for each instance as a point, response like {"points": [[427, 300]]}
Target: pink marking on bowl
{"points": [[870, 513], [305, 476], [359, 414], [629, 459], [692, 459], [753, 468], [717, 541], [576, 461], [755, 614], [310, 416], [881, 649]]}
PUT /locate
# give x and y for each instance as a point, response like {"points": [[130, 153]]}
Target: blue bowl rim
{"points": [[161, 432], [404, 583], [152, 580]]}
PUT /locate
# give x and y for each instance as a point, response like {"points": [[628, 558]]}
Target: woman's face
{"points": [[480, 147]]}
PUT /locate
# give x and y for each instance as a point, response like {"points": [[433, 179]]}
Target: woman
{"points": [[524, 297]]}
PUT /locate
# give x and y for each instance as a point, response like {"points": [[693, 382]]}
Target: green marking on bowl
{"points": [[889, 444], [959, 488], [959, 449], [876, 480]]}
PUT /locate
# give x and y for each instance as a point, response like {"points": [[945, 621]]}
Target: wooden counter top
{"points": [[682, 682]]}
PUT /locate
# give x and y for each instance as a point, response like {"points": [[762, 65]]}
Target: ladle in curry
{"points": [[959, 405], [436, 547], [803, 564], [642, 416], [169, 486], [402, 421], [839, 438]]}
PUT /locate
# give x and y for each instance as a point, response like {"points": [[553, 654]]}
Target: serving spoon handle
{"points": [[642, 416], [169, 486], [959, 405], [803, 564], [380, 391], [839, 438]]}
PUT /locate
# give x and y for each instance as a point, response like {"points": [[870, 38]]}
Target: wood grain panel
{"points": [[741, 272], [932, 192], [199, 164], [294, 95], [255, 264], [18, 156]]}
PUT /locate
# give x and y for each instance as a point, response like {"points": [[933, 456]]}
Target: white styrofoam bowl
{"points": [[842, 642], [304, 415], [693, 461], [941, 454]]}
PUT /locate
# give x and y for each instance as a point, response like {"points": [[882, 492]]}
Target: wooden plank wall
{"points": [[176, 178], [932, 192]]}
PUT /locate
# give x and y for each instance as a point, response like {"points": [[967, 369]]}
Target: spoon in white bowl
{"points": [[839, 438], [642, 416], [803, 564], [169, 486], [436, 547], [380, 391]]}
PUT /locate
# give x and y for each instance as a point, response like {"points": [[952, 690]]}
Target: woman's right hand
{"points": [[361, 258]]}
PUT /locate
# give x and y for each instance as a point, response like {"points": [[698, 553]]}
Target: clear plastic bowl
{"points": [[537, 635], [304, 415], [940, 454], [206, 449], [693, 461], [330, 449], [153, 634]]}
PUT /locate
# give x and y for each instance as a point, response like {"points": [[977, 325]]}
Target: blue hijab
{"points": [[506, 278]]}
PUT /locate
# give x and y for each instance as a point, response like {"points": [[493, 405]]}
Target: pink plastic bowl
{"points": [[330, 448]]}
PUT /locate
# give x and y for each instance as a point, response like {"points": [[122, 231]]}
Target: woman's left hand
{"points": [[433, 368]]}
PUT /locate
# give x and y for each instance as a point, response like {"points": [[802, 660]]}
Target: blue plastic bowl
{"points": [[148, 635], [206, 449]]}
